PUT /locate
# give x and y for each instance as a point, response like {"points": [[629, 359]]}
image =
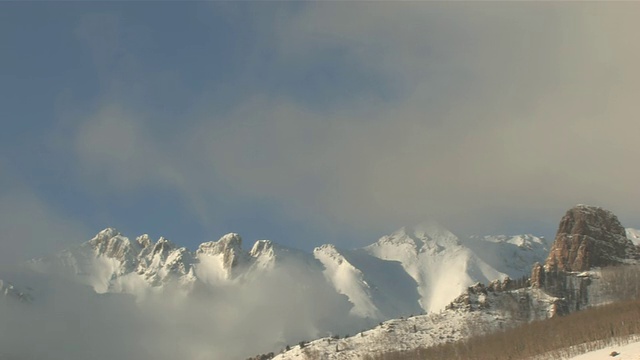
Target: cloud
{"points": [[497, 112], [31, 227], [234, 321], [114, 148]]}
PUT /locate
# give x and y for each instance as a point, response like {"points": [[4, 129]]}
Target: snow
{"points": [[633, 235], [397, 335], [430, 253], [423, 330], [347, 280], [630, 351], [415, 270], [511, 255]]}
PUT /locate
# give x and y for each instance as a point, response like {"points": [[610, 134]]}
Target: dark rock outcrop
{"points": [[587, 237]]}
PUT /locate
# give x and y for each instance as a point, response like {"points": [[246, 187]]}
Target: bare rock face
{"points": [[537, 276], [230, 247], [587, 237]]}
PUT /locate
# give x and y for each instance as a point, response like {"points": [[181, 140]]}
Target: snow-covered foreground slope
{"points": [[630, 351], [480, 312], [480, 309]]}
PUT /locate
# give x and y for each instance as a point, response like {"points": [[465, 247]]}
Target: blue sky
{"points": [[308, 123]]}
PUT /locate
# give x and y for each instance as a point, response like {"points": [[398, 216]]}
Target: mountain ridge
{"points": [[111, 262], [418, 269]]}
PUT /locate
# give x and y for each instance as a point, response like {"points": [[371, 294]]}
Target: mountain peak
{"points": [[108, 233], [261, 247], [110, 243], [144, 240], [227, 243], [435, 232], [588, 236], [230, 246]]}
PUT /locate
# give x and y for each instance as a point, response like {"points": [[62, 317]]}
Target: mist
{"points": [[69, 321]]}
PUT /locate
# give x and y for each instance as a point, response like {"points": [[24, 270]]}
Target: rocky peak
{"points": [[230, 246], [110, 243], [144, 241], [433, 232], [261, 247], [107, 233], [328, 249], [588, 236], [425, 237], [163, 247]]}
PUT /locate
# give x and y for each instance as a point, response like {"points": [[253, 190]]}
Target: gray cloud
{"points": [[32, 228], [116, 149], [501, 111]]}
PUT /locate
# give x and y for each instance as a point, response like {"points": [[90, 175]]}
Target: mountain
{"points": [[443, 266], [587, 237], [480, 309], [111, 262], [415, 269], [224, 289]]}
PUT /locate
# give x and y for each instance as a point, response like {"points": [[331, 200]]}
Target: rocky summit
{"points": [[589, 236]]}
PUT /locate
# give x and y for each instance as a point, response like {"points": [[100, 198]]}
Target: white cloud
{"points": [[231, 322]]}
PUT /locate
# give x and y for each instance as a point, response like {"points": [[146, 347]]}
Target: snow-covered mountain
{"points": [[481, 309], [443, 266], [111, 262], [415, 269], [300, 295], [225, 295]]}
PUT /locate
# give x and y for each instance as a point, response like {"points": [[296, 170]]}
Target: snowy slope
{"points": [[511, 255], [478, 310], [630, 351], [452, 324], [633, 235], [442, 265], [377, 289]]}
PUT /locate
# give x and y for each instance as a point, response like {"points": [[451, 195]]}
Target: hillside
{"points": [[564, 337], [588, 238]]}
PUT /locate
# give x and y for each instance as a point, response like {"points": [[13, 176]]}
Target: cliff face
{"points": [[587, 237]]}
